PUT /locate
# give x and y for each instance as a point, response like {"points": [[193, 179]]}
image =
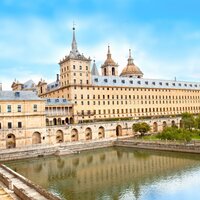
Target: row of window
{"points": [[146, 97], [74, 67], [139, 110], [19, 125], [75, 82], [75, 74], [134, 102], [129, 89], [19, 108], [123, 81]]}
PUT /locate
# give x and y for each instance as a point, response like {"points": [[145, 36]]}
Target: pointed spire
{"points": [[74, 44], [130, 59], [94, 71], [108, 54]]}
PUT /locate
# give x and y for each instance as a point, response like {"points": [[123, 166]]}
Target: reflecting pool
{"points": [[116, 174]]}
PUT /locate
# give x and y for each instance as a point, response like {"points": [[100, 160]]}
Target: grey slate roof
{"points": [[18, 95], [143, 83], [29, 84], [52, 86], [94, 70], [57, 101]]}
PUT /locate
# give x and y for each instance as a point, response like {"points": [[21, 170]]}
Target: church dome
{"points": [[109, 61], [131, 70]]}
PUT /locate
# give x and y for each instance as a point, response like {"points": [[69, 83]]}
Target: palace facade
{"points": [[112, 96], [83, 105]]}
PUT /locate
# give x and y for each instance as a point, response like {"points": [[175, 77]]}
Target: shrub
{"points": [[173, 133]]}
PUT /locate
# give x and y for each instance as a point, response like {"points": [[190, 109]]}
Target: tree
{"points": [[188, 121], [197, 121], [173, 133], [142, 128]]}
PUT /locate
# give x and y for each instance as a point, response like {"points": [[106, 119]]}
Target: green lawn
{"points": [[153, 137], [150, 137], [195, 137]]}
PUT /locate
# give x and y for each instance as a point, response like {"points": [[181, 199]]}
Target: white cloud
{"points": [[36, 46]]}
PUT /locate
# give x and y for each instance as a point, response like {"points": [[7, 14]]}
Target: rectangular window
{"points": [[19, 108], [35, 108], [9, 108], [9, 125], [19, 124]]}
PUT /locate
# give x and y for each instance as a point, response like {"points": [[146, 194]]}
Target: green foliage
{"points": [[197, 121], [173, 133], [142, 127], [188, 121]]}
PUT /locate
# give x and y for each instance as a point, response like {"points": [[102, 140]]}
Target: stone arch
{"points": [[88, 133], [10, 141], [59, 136], [74, 135], [164, 124], [47, 122], [119, 130], [66, 120], [71, 120], [101, 132], [59, 121], [105, 72], [36, 138], [173, 123], [155, 127], [54, 121]]}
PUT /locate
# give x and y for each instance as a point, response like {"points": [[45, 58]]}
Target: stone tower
{"points": [[75, 68], [109, 68]]}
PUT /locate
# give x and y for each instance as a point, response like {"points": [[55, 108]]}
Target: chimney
{"points": [[57, 78]]}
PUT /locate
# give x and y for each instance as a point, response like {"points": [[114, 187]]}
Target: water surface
{"points": [[116, 174]]}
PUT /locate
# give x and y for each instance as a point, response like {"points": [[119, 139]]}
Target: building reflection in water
{"points": [[104, 174]]}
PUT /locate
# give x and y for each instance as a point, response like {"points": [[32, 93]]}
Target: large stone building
{"points": [[109, 96], [83, 105], [22, 119]]}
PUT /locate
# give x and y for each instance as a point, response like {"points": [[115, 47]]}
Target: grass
{"points": [[150, 137], [195, 136]]}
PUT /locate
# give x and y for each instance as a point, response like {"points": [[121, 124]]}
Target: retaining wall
{"points": [[165, 146]]}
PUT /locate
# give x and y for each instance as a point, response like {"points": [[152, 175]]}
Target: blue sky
{"points": [[35, 34]]}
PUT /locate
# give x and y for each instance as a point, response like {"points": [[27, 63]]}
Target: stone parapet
{"points": [[22, 187]]}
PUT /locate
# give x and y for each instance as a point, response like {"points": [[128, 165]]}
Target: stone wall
{"points": [[21, 192], [193, 147], [52, 135]]}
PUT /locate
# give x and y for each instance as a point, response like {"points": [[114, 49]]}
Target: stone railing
{"points": [[20, 192]]}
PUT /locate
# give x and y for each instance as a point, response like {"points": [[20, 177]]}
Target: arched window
{"points": [[105, 72], [113, 71]]}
